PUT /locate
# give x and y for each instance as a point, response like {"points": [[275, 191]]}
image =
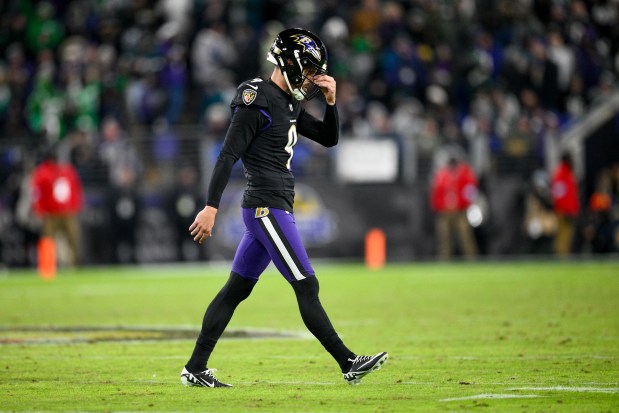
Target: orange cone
{"points": [[47, 258], [375, 249]]}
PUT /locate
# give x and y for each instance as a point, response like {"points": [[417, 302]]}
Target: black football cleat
{"points": [[202, 379], [364, 365]]}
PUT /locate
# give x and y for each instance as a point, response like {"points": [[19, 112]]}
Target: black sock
{"points": [[317, 321], [217, 317]]}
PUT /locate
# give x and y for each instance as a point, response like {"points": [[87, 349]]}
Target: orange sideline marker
{"points": [[375, 248], [47, 258]]}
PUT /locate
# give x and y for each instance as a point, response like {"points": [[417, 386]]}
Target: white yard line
{"points": [[491, 396], [542, 357], [571, 389]]}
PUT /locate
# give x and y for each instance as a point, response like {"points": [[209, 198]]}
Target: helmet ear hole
{"points": [[296, 79], [293, 72]]}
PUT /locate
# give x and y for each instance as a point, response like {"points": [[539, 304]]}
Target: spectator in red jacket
{"points": [[454, 188], [564, 188], [58, 200]]}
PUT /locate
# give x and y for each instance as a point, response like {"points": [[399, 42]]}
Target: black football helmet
{"points": [[294, 51]]}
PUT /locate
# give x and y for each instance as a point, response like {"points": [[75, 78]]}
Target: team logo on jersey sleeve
{"points": [[249, 95]]}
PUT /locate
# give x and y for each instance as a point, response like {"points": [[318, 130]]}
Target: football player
{"points": [[267, 119]]}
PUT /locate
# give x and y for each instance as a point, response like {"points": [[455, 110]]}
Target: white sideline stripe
{"points": [[572, 389], [282, 249], [309, 383], [491, 396], [337, 383], [548, 357]]}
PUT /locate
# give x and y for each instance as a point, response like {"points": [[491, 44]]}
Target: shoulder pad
{"points": [[251, 93]]}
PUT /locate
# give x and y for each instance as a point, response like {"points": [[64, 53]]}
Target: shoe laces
{"points": [[209, 372], [360, 359]]}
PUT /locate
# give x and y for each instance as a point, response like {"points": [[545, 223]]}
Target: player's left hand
{"points": [[327, 85]]}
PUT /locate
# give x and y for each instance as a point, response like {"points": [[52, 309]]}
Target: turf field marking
{"points": [[473, 358], [491, 396], [294, 383], [572, 389], [52, 335], [337, 383]]}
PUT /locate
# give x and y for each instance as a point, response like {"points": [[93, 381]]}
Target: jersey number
{"points": [[292, 140]]}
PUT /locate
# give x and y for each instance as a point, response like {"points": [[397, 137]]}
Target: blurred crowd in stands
{"points": [[496, 78]]}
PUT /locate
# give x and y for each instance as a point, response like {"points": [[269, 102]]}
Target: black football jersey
{"points": [[268, 158], [266, 124]]}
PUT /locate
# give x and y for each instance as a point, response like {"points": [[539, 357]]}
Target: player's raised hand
{"points": [[202, 226], [327, 85]]}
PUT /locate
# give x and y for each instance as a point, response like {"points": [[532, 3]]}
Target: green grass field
{"points": [[494, 337]]}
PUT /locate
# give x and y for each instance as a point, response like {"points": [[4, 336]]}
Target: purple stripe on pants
{"points": [[271, 235]]}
